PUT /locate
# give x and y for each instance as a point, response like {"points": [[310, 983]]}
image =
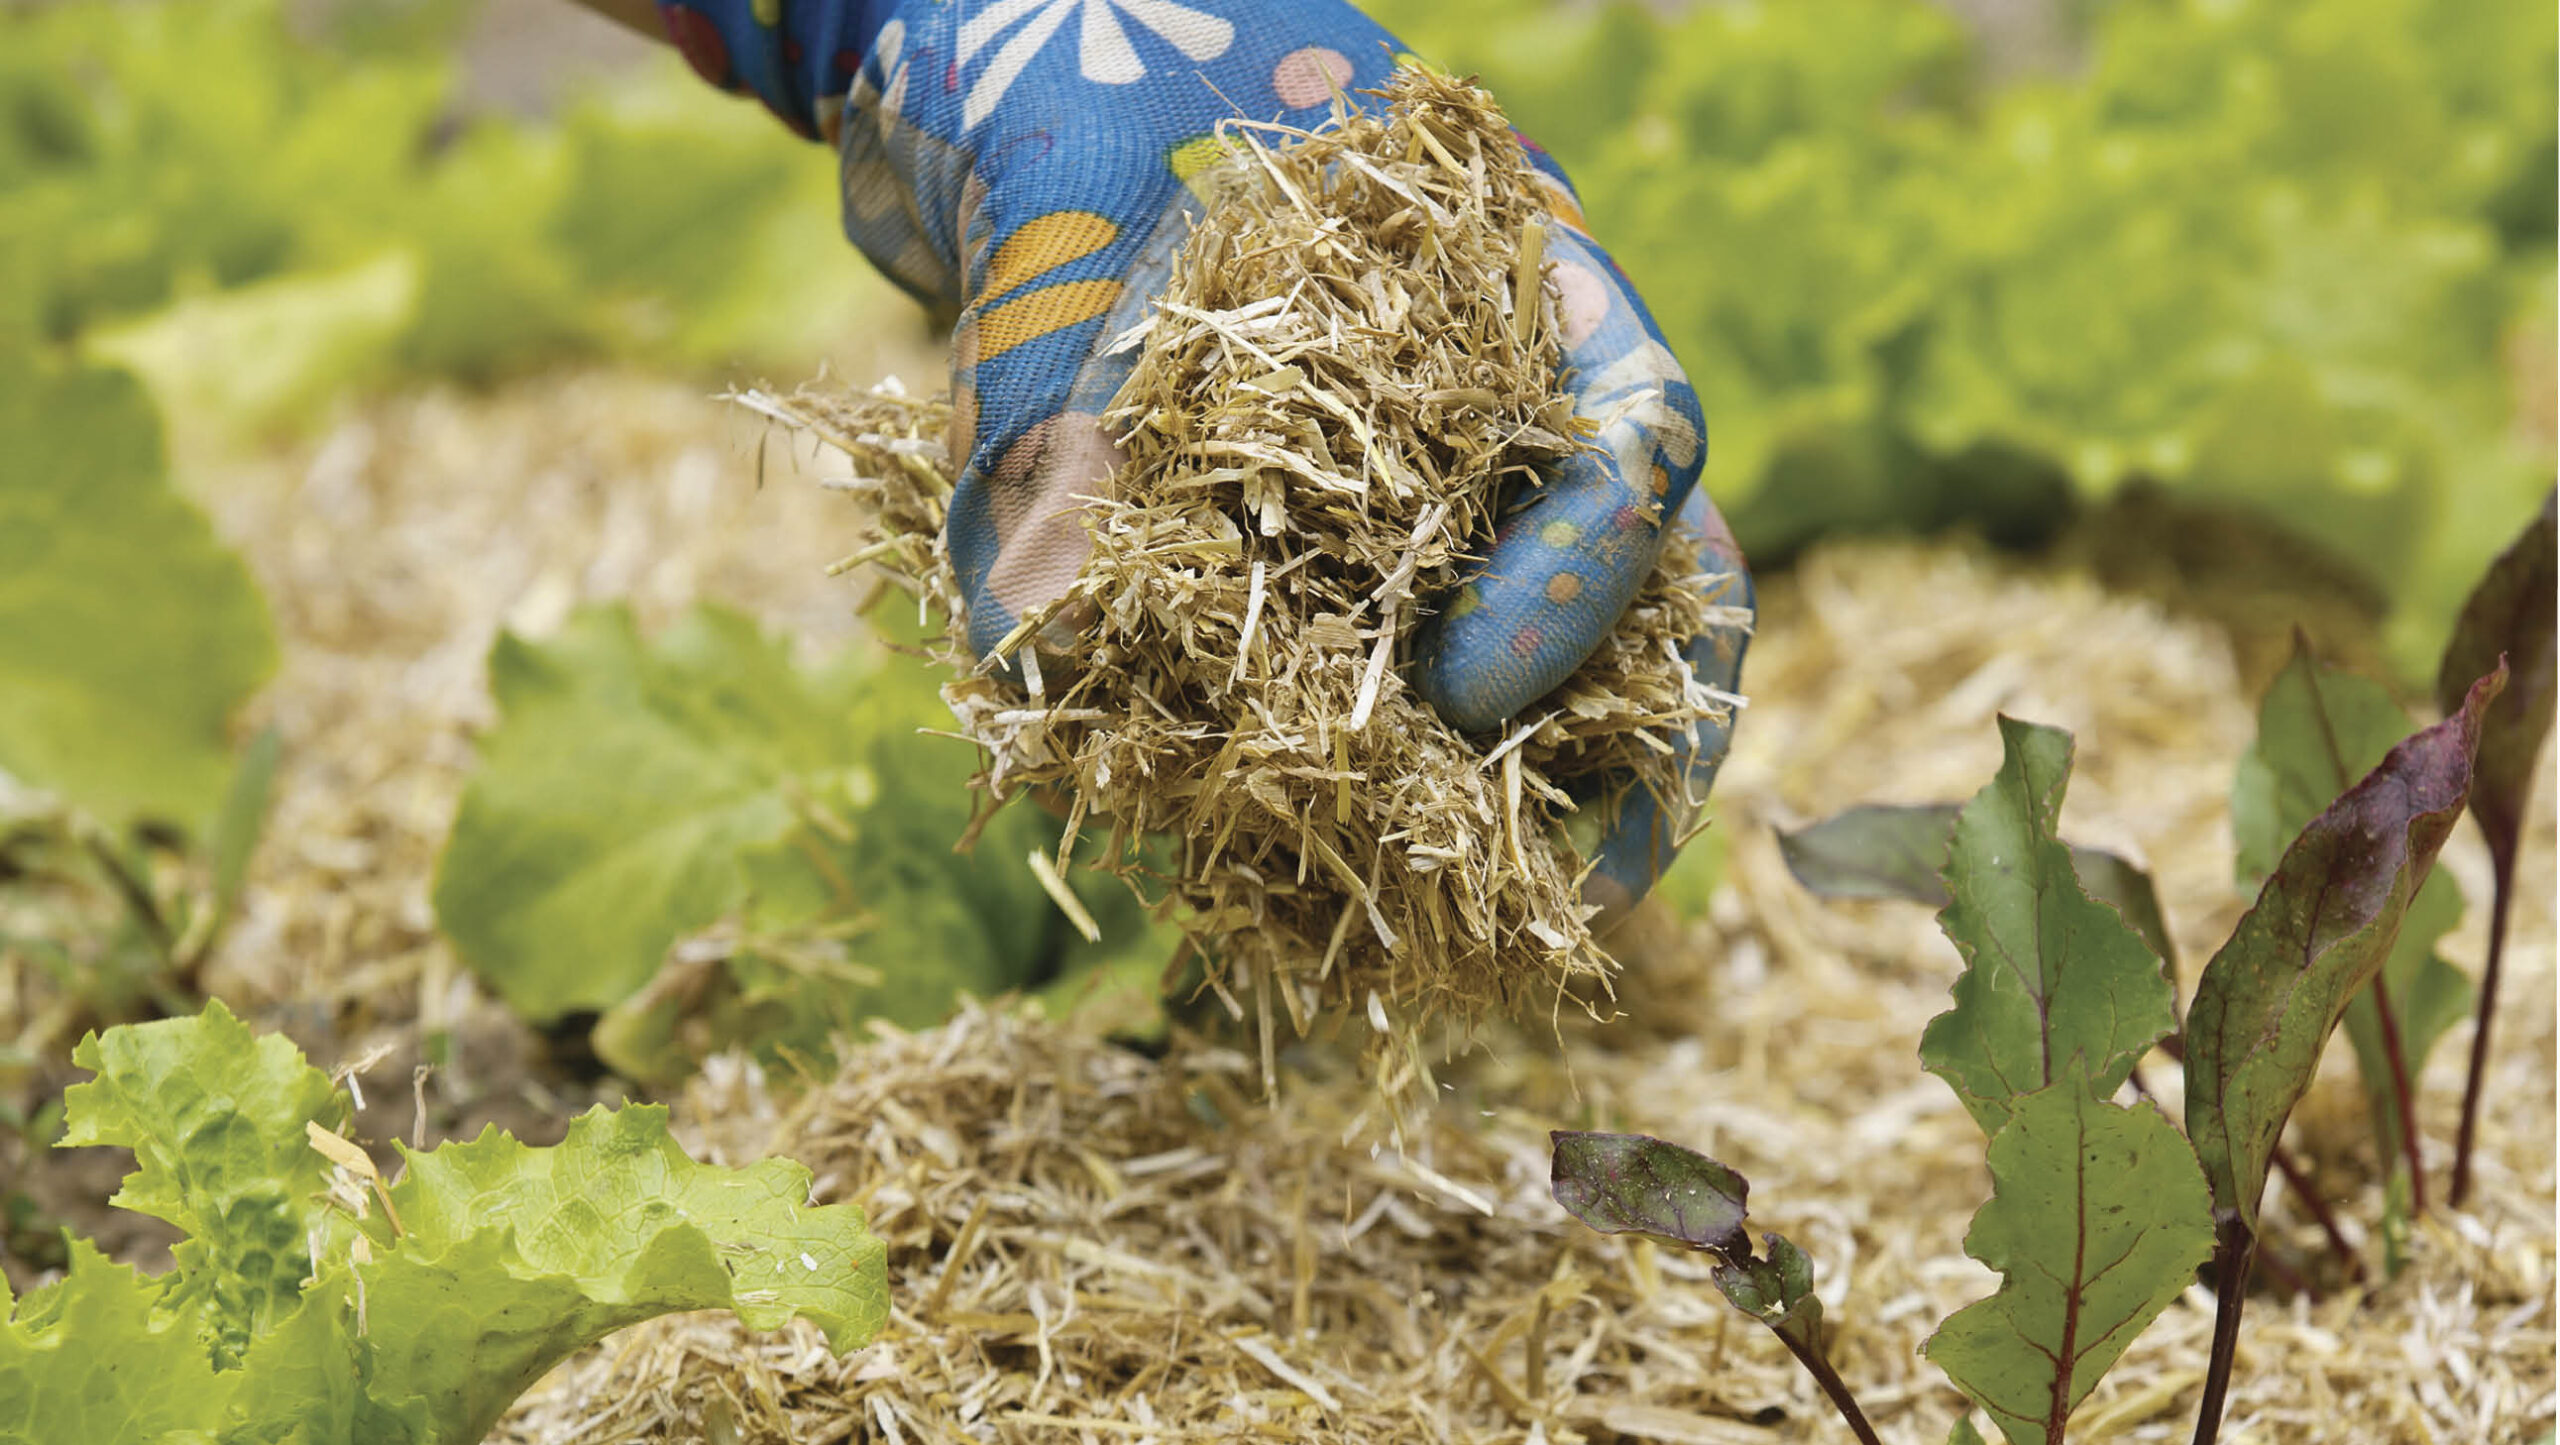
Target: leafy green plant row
{"points": [[256, 219], [2102, 1211], [313, 1300], [2279, 252]]}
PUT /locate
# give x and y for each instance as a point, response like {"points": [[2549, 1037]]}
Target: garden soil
{"points": [[1090, 1243]]}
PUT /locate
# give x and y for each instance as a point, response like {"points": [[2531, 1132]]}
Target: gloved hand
{"points": [[1029, 175]]}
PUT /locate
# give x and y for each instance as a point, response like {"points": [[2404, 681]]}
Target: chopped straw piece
{"points": [[1334, 399]]}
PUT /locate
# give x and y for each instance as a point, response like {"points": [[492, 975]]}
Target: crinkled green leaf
{"points": [[214, 1115], [253, 355], [2320, 930], [1886, 850], [2098, 1218], [271, 207], [509, 1260], [718, 847], [93, 1358], [1915, 294], [517, 1257], [1629, 1183], [128, 632], [2056, 985]]}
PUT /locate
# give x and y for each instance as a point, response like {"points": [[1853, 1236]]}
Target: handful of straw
{"points": [[1351, 372]]}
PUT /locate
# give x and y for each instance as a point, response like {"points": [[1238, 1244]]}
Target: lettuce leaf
{"points": [[504, 1259], [128, 632]]}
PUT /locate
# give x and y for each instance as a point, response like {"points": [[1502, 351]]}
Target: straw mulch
{"points": [[1350, 372], [1090, 1245]]}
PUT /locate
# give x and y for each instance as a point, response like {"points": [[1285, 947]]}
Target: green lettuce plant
{"points": [[314, 1300], [130, 636], [712, 844]]}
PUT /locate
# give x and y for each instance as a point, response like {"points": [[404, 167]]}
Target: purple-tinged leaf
{"points": [[1631, 1184], [2319, 729], [2318, 933], [2510, 615]]}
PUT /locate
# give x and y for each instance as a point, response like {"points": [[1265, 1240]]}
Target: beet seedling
{"points": [[1631, 1184], [2101, 1212]]}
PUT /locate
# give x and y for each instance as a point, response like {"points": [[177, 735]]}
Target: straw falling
{"points": [[1352, 371]]}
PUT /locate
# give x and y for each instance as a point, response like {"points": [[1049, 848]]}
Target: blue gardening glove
{"points": [[1025, 165]]}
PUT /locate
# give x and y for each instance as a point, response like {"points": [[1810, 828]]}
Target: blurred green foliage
{"points": [[255, 218], [128, 632], [129, 636], [714, 845], [2281, 251]]}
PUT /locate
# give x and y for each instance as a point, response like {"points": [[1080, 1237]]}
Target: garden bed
{"points": [[1158, 1252]]}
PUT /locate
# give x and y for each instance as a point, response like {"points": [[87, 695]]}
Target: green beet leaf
{"points": [[1632, 1184], [2320, 729], [128, 632], [1879, 850], [2318, 933], [214, 1115], [618, 792], [2098, 1218], [1890, 850], [2056, 985], [1776, 1289]]}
